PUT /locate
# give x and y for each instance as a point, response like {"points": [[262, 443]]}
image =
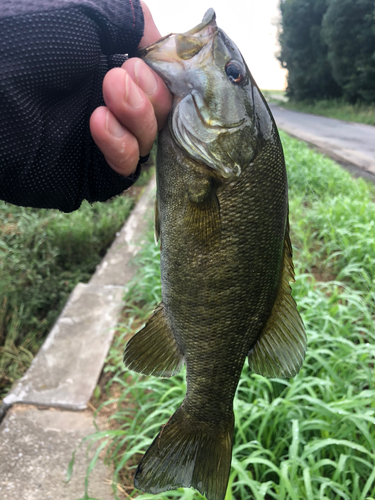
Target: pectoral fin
{"points": [[281, 348], [153, 350], [203, 216]]}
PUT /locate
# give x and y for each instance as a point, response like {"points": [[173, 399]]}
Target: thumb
{"points": [[151, 33]]}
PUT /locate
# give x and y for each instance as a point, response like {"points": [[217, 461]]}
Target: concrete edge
{"points": [[125, 246], [64, 372], [356, 168]]}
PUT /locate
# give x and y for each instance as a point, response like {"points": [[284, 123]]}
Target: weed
{"points": [[43, 255]]}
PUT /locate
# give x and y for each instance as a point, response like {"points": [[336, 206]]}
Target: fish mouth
{"points": [[170, 55], [211, 122], [169, 58], [143, 52], [208, 18]]}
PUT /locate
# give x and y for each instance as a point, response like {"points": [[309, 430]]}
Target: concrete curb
{"points": [[66, 369], [36, 447]]}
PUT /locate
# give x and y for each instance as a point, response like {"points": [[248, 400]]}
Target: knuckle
{"points": [[150, 126], [129, 154], [124, 155], [146, 129]]}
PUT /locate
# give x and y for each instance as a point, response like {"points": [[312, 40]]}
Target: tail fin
{"points": [[188, 453]]}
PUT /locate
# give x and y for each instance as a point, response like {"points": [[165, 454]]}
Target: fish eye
{"points": [[234, 73]]}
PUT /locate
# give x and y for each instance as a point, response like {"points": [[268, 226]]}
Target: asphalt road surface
{"points": [[352, 144]]}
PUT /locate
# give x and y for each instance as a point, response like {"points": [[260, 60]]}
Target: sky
{"points": [[251, 24]]}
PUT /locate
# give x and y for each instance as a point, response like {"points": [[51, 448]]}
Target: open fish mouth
{"points": [[143, 52], [171, 56], [208, 121], [208, 19]]}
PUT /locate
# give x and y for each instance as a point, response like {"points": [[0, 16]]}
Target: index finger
{"points": [[157, 92]]}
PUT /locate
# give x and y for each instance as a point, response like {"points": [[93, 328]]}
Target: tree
{"points": [[349, 32], [304, 52]]}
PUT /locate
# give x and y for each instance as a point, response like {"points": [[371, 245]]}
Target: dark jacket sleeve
{"points": [[54, 55]]}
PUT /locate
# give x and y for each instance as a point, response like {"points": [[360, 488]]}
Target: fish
{"points": [[221, 217]]}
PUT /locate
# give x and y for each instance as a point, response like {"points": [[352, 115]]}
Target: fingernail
{"points": [[133, 95], [145, 78], [113, 126]]}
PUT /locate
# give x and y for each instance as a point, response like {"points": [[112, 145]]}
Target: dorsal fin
{"points": [[281, 347]]}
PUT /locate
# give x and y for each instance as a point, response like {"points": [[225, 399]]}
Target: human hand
{"points": [[137, 106]]}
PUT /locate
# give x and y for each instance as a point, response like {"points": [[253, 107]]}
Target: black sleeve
{"points": [[54, 55]]}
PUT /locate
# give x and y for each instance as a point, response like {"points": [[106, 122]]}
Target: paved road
{"points": [[348, 143]]}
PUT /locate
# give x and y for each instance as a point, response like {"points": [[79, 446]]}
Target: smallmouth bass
{"points": [[226, 258]]}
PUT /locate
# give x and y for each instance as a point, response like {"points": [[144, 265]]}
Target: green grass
{"points": [[335, 108], [274, 94], [308, 438], [43, 255]]}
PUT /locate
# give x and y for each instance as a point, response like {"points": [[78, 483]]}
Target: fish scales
{"points": [[226, 258], [227, 289]]}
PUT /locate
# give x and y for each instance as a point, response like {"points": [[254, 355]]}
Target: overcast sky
{"points": [[249, 23]]}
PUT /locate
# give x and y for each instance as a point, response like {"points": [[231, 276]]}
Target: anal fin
{"points": [[280, 349], [153, 349]]}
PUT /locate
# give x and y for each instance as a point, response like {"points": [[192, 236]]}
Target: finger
{"points": [[151, 33], [153, 86], [118, 145], [129, 104]]}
